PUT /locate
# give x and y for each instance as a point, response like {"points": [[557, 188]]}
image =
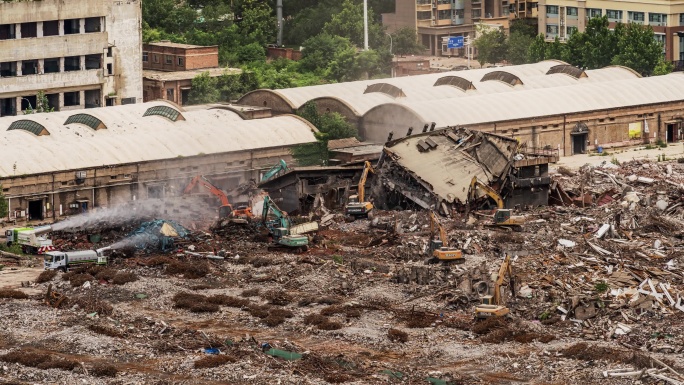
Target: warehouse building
{"points": [[81, 54], [548, 104], [63, 163]]}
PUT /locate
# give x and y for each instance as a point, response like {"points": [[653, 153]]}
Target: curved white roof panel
{"points": [[130, 137], [421, 87], [550, 101]]}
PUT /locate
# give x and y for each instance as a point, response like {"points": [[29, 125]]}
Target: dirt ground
{"points": [[362, 307]]}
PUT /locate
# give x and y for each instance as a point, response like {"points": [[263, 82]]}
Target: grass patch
{"points": [[103, 370], [77, 280], [122, 278], [250, 293], [227, 300], [104, 330], [189, 270], [278, 298], [40, 360]]}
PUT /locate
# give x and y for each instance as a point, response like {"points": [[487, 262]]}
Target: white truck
{"points": [[63, 260], [32, 240]]}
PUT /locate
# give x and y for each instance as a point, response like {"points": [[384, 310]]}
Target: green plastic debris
{"points": [[437, 381], [290, 356], [141, 296], [393, 374], [92, 315]]}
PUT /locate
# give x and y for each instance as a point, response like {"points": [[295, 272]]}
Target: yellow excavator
{"points": [[492, 306], [357, 207], [502, 217], [439, 249]]}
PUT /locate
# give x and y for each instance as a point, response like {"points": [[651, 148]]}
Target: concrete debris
{"points": [[596, 293]]}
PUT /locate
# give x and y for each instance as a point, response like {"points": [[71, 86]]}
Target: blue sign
{"points": [[455, 42]]}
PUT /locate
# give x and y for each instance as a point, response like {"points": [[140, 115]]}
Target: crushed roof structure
{"points": [[444, 162], [68, 140]]}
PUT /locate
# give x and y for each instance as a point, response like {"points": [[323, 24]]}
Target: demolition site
{"points": [[448, 256]]}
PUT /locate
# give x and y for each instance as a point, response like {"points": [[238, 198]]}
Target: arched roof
{"points": [[131, 138], [532, 103], [422, 87]]}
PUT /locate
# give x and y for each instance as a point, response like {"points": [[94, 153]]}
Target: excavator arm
{"points": [[362, 182], [504, 270], [281, 216], [435, 225], [275, 170], [202, 181], [475, 183]]}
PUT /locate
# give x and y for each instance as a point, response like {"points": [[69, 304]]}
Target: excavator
{"points": [[357, 207], [439, 249], [226, 209], [502, 217], [279, 230], [275, 170], [492, 306]]}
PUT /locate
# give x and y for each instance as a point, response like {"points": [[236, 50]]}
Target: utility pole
{"points": [[279, 14], [365, 25]]}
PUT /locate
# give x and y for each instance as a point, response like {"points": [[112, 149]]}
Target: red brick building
{"points": [[166, 56], [168, 69]]}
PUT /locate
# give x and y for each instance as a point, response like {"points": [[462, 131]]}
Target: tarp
{"points": [[152, 235]]}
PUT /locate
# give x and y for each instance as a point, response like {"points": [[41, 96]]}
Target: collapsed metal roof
{"points": [[444, 162]]}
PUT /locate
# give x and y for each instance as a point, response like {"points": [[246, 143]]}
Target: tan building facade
{"points": [[81, 54], [560, 18], [437, 20]]}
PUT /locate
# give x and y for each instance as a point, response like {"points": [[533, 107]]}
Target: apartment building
{"points": [[81, 54], [560, 18], [437, 20]]}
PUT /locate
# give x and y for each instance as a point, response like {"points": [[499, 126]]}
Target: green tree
{"points": [[638, 49], [491, 46], [330, 126], [349, 23], [251, 52], [204, 89], [405, 42], [663, 68], [574, 49], [524, 26], [537, 50], [518, 47], [258, 23], [320, 50], [600, 44], [343, 67], [3, 204], [42, 105], [554, 50]]}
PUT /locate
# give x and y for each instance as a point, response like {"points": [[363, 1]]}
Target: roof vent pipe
{"points": [[389, 137], [409, 131], [432, 126], [425, 127]]}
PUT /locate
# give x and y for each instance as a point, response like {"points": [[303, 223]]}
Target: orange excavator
{"points": [[226, 209]]}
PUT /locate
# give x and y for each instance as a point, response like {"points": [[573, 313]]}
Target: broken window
{"points": [[51, 65], [53, 101], [29, 67], [93, 24], [181, 62], [51, 28], [170, 94], [93, 62], [8, 69], [128, 101], [7, 31], [28, 103], [72, 63], [92, 98], [72, 99], [146, 57], [29, 30], [169, 59], [72, 26], [110, 69]]}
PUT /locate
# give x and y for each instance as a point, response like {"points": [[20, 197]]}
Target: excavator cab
{"points": [[357, 206], [225, 211], [438, 249], [502, 215]]}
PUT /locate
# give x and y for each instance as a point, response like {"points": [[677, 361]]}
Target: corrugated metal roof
{"points": [[131, 138], [421, 87], [552, 101]]}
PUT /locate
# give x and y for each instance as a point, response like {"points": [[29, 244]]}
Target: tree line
{"points": [[631, 45]]}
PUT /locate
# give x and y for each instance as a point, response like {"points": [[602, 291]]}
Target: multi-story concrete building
{"points": [[81, 54], [437, 20], [560, 18]]}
